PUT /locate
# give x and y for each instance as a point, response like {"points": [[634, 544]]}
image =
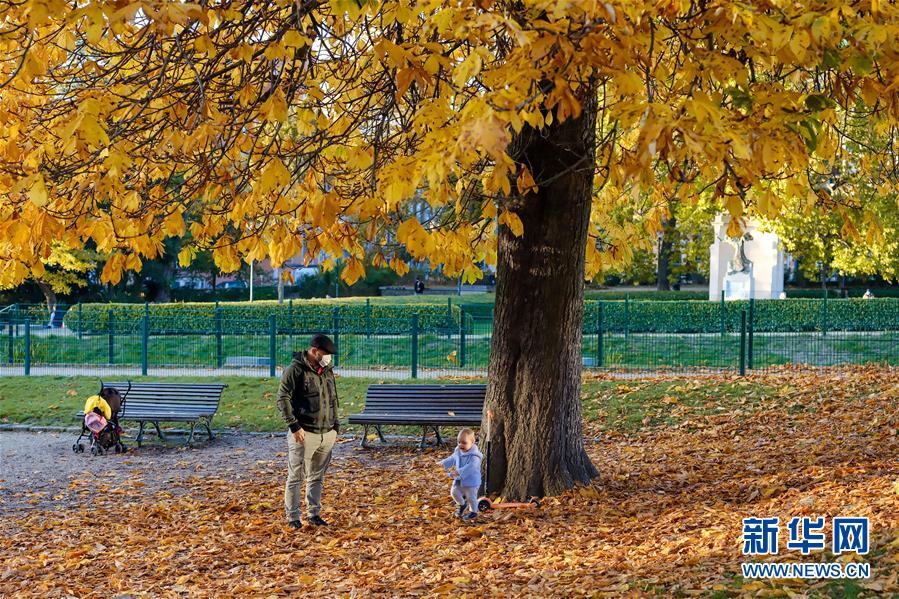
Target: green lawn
{"points": [[249, 404]]}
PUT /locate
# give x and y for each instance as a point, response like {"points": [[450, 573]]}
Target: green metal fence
{"points": [[639, 336]]}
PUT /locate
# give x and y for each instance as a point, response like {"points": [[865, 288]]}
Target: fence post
{"points": [[80, 325], [751, 327], [290, 315], [599, 332], [627, 316], [27, 347], [335, 327], [723, 315], [449, 311], [824, 315], [368, 317], [415, 346], [462, 336], [111, 319], [218, 336], [743, 342], [11, 331], [145, 344], [272, 333]]}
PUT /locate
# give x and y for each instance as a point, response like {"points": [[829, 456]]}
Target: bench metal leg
{"points": [[378, 430], [190, 436], [424, 436], [158, 430], [206, 423], [140, 434]]}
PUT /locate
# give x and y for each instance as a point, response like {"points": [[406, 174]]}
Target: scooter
{"points": [[486, 504]]}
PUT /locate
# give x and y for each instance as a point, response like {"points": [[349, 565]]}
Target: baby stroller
{"points": [[101, 422]]}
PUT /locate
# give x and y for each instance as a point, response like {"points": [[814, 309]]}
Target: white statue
{"points": [[740, 263]]}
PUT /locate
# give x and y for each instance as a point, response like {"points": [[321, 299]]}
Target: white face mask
{"points": [[325, 361]]}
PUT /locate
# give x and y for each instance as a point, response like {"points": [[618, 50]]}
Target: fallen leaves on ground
{"points": [[663, 519]]}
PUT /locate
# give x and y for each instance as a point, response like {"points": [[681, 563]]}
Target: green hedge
{"points": [[260, 292], [304, 316], [356, 317], [644, 294], [768, 315], [479, 311], [853, 292]]}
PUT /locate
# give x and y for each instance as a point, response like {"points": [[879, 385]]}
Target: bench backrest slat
{"points": [[462, 400], [169, 398]]}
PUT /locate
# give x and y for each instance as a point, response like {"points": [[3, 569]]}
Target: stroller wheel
{"points": [[75, 447], [119, 448], [94, 450], [484, 504]]}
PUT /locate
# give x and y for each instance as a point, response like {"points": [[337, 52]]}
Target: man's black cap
{"points": [[323, 342]]}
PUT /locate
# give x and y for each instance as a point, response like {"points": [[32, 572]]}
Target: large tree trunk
{"points": [[535, 444], [666, 238]]}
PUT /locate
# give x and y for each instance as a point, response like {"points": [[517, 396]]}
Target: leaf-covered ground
{"points": [[664, 519]]}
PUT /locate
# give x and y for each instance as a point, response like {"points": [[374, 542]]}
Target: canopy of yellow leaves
{"points": [[259, 128]]}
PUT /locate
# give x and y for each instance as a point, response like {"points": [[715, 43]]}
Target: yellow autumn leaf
{"points": [[525, 182], [513, 221], [186, 256], [353, 271], [174, 225], [112, 270], [38, 192], [274, 177]]}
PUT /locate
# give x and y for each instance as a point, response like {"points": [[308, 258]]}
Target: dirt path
{"points": [[38, 470]]}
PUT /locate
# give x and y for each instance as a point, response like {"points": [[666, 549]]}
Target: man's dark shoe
{"points": [[295, 524], [317, 521], [460, 510]]}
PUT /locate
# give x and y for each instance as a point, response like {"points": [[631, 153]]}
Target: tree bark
{"points": [[535, 445], [666, 246], [49, 296]]}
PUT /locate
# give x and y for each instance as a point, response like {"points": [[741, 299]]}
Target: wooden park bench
{"points": [[427, 406], [169, 402]]}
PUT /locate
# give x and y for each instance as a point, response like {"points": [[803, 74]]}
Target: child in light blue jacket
{"points": [[464, 467]]}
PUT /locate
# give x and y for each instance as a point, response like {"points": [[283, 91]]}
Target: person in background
{"points": [[419, 286], [868, 294]]}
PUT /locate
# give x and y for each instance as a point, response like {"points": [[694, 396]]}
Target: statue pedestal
{"points": [[739, 286]]}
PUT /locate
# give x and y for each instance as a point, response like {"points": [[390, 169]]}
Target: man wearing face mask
{"points": [[307, 398]]}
